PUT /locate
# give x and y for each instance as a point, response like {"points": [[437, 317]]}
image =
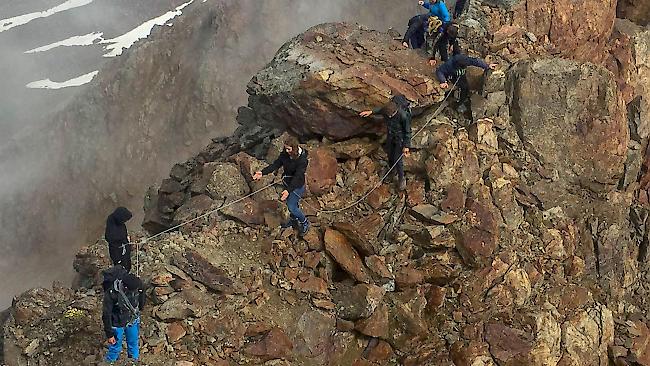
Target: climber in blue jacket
{"points": [[438, 9], [453, 71]]}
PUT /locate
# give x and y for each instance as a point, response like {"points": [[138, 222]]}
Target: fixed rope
{"points": [[318, 212], [145, 240], [353, 204]]}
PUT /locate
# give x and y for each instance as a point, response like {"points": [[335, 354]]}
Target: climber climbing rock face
{"points": [[397, 115], [118, 238], [453, 71], [293, 160], [415, 34], [437, 9], [123, 301], [449, 38]]}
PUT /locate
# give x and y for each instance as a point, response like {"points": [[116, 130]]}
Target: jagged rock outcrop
{"points": [[319, 82]]}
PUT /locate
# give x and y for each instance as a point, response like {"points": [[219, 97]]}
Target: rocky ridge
{"points": [[521, 238]]}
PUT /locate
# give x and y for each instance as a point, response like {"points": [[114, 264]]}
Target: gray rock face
{"points": [[570, 116]]}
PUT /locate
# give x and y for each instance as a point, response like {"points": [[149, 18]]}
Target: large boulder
{"points": [[319, 81], [569, 115], [579, 29]]}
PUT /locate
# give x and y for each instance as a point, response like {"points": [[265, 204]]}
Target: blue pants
{"points": [[292, 203], [132, 346]]}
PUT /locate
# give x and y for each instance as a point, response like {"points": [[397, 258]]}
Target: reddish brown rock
{"points": [[247, 211], [363, 233], [354, 148], [321, 171], [637, 11], [436, 297], [508, 345], [327, 78], [379, 196], [376, 325], [471, 354], [579, 30], [201, 270], [274, 345], [175, 331], [408, 277], [338, 246], [381, 352], [377, 265], [312, 285], [415, 193], [455, 200], [358, 302], [479, 242]]}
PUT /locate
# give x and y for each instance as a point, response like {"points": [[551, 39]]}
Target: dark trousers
{"points": [[120, 256], [417, 40], [394, 147], [442, 47], [459, 8], [463, 87]]}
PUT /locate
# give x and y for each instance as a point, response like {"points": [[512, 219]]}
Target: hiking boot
{"points": [[289, 224], [402, 184], [304, 227]]}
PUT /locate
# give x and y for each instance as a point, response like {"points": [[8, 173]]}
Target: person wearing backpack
{"points": [[118, 239], [397, 114], [437, 9], [123, 301]]}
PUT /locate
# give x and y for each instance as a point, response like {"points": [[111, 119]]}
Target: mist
{"points": [[69, 160]]}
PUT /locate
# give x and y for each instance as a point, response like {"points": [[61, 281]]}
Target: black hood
{"points": [[116, 233], [121, 215]]}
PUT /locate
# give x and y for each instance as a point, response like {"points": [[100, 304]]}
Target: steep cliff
{"points": [[158, 103]]}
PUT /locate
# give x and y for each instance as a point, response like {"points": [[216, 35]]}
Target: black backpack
{"points": [[113, 285]]}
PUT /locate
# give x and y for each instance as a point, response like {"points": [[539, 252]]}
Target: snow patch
{"points": [[6, 24], [49, 84], [85, 40], [117, 45]]}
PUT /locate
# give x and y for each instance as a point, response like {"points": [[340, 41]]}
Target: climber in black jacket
{"points": [[397, 115], [118, 238], [449, 37], [415, 34], [123, 301], [294, 162], [453, 71]]}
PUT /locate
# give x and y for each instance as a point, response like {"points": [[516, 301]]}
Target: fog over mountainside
{"points": [[72, 153]]}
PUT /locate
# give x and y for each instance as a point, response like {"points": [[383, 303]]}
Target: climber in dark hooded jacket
{"points": [[118, 238], [397, 115], [453, 71], [123, 301], [416, 32]]}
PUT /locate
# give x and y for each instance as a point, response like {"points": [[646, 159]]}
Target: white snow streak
{"points": [[6, 24], [49, 84], [85, 40], [117, 45]]}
